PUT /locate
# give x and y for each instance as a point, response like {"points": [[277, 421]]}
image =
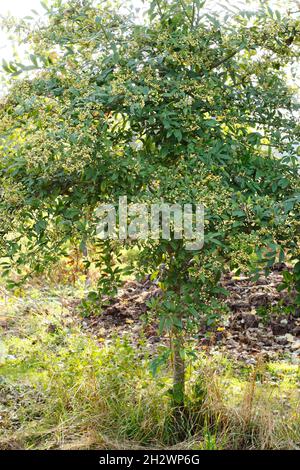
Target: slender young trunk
{"points": [[178, 364], [178, 371], [85, 254]]}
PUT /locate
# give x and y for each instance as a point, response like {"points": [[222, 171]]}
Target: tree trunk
{"points": [[178, 371], [85, 254]]}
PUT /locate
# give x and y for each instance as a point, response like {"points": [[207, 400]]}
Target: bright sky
{"points": [[19, 7]]}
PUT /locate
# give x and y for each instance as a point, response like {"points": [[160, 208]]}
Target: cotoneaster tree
{"points": [[185, 106]]}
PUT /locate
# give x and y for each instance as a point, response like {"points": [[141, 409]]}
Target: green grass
{"points": [[60, 389]]}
